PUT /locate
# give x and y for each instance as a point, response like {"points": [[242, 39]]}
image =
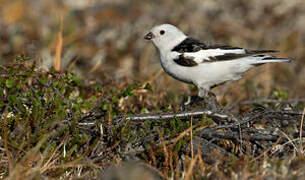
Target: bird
{"points": [[206, 66]]}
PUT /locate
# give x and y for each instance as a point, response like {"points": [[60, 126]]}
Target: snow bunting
{"points": [[206, 66]]}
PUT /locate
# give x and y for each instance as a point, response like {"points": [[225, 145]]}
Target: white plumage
{"points": [[206, 55], [192, 61]]}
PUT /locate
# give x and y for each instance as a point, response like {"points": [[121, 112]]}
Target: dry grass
{"points": [[58, 52], [89, 28], [301, 132]]}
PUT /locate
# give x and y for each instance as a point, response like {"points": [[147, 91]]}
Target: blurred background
{"points": [[103, 39]]}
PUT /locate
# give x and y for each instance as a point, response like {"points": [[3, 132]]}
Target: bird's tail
{"points": [[269, 59]]}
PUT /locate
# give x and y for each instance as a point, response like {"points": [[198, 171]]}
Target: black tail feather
{"points": [[261, 51]]}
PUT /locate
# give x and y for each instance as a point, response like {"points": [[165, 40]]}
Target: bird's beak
{"points": [[149, 36]]}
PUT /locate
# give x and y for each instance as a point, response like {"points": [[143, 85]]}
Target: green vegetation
{"points": [[56, 125], [41, 115]]}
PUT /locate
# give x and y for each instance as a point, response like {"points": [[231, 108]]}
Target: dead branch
{"points": [[209, 150], [296, 113], [272, 101], [236, 136], [168, 116]]}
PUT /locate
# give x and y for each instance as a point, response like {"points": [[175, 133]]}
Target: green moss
{"points": [[280, 94], [10, 82], [46, 109]]}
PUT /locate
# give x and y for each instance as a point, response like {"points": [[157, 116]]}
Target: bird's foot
{"points": [[211, 102], [195, 102]]}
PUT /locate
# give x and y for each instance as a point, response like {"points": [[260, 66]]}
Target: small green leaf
{"points": [[1, 104], [128, 92], [280, 94], [114, 99], [79, 100], [12, 99], [138, 85], [148, 87], [93, 99], [105, 107], [9, 83], [98, 88], [43, 80]]}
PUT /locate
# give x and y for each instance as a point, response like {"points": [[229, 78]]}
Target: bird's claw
{"points": [[208, 102]]}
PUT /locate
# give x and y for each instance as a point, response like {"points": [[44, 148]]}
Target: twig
{"points": [[192, 148], [272, 101], [3, 67], [236, 123], [181, 135], [5, 132], [73, 165], [208, 147], [248, 119], [168, 116], [269, 149], [48, 163], [185, 115], [297, 113], [289, 139], [165, 152], [86, 124], [301, 130], [158, 116], [236, 136], [284, 144]]}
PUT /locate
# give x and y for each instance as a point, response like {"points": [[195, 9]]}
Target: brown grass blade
{"points": [[269, 149], [153, 77], [49, 161], [155, 170], [7, 152], [181, 135], [96, 66], [190, 169], [58, 52], [301, 130], [192, 147]]}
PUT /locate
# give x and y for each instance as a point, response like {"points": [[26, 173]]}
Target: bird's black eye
{"points": [[162, 32]]}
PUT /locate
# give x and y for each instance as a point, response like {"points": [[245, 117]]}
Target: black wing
{"points": [[223, 53], [193, 45], [185, 61], [189, 45]]}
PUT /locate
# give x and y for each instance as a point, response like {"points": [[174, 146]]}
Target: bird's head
{"points": [[165, 36]]}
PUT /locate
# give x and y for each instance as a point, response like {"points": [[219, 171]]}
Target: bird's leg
{"points": [[209, 98], [211, 101], [193, 102], [202, 92], [204, 99]]}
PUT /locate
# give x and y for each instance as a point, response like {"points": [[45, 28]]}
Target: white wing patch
{"points": [[210, 54]]}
